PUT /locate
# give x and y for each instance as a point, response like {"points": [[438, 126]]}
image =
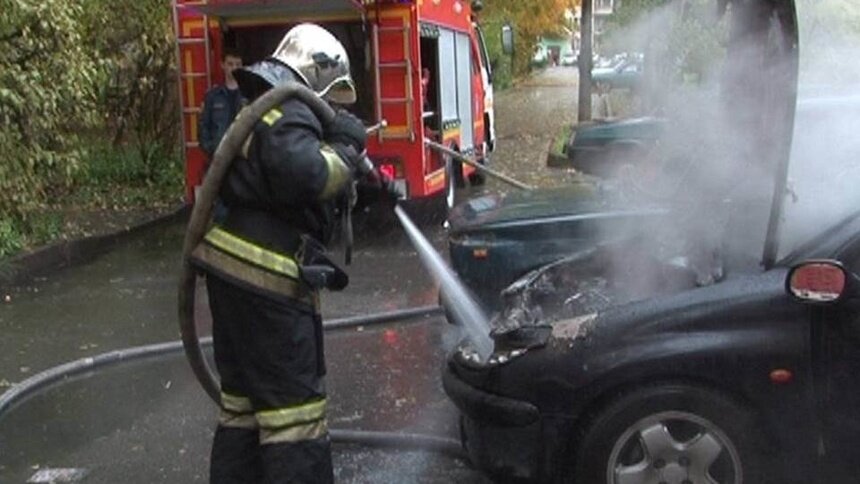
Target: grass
{"points": [[116, 179]]}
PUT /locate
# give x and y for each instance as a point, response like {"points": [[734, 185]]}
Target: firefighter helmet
{"points": [[319, 58], [314, 55]]}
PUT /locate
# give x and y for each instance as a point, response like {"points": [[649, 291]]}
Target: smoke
{"points": [[825, 161], [725, 82], [720, 79]]}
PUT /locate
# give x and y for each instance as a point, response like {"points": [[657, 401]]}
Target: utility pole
{"points": [[586, 36]]}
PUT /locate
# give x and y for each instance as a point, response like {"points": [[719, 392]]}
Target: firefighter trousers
{"points": [[269, 354]]}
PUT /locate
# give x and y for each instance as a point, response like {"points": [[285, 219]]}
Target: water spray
{"points": [[460, 305]]}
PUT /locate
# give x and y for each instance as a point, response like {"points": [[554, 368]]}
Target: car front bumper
{"points": [[501, 435]]}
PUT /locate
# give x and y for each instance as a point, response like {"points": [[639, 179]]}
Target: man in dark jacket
{"points": [[280, 194], [221, 105]]}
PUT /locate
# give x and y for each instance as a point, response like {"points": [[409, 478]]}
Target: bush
{"points": [[46, 96]]}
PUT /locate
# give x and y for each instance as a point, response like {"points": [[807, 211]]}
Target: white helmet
{"points": [[319, 58]]}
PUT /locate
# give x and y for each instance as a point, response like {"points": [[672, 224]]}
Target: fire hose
{"points": [[232, 141], [192, 344], [19, 392]]}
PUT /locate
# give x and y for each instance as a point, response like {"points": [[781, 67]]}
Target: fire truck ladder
{"points": [[406, 63], [190, 109]]}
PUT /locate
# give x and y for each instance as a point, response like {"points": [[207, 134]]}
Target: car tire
{"points": [[670, 433]]}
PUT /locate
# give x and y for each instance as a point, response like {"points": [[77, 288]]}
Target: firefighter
{"points": [[263, 265]]}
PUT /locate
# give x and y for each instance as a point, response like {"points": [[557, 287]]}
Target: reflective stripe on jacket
{"points": [[252, 266]]}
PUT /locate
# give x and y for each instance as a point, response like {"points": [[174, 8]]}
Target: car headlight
{"points": [[467, 355]]}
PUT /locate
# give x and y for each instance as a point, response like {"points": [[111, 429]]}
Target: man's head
{"points": [[230, 61]]}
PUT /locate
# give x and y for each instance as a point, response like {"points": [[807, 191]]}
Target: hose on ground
{"points": [[379, 439]]}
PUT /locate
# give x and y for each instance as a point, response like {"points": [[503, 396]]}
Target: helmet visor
{"points": [[340, 91]]}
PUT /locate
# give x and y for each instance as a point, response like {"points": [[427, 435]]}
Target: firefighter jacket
{"points": [[284, 185], [220, 107]]}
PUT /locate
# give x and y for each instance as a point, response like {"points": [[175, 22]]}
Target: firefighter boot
{"points": [[235, 456], [304, 462]]}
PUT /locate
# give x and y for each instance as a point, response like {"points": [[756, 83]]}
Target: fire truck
{"points": [[420, 66]]}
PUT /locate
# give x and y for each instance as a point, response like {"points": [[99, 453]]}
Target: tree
{"points": [[137, 89], [46, 96], [531, 19]]}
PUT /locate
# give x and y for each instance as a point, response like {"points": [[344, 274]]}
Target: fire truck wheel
{"points": [[453, 180], [477, 178]]}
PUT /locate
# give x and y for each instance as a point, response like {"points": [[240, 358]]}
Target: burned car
{"points": [[703, 352]]}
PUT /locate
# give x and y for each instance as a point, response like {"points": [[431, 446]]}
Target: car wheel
{"points": [[672, 434]]}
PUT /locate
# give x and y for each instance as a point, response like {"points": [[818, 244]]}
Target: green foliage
{"points": [[46, 81], [115, 166], [561, 139], [137, 93], [11, 239], [530, 19], [501, 63], [89, 111]]}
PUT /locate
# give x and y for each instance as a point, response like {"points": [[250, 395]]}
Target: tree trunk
{"points": [[585, 49]]}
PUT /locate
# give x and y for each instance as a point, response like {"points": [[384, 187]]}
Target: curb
{"points": [[25, 267]]}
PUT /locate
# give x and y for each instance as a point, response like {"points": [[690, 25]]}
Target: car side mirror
{"points": [[508, 39], [818, 281]]}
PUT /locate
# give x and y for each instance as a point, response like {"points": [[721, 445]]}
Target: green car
{"points": [[496, 239], [599, 148], [624, 75]]}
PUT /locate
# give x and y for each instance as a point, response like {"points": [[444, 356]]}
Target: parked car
{"points": [[625, 73], [568, 58], [672, 357], [494, 240], [600, 147]]}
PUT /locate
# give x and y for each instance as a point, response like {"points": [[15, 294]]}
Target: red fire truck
{"points": [[420, 65]]}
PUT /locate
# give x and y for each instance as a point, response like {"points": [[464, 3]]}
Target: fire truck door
{"points": [[447, 77], [463, 53]]}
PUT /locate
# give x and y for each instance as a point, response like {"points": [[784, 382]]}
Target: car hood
{"points": [[529, 207], [647, 127]]}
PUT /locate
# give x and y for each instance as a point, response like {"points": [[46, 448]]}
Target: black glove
{"points": [[377, 187], [348, 130]]}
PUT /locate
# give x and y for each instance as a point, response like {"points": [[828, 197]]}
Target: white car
{"points": [[568, 58]]}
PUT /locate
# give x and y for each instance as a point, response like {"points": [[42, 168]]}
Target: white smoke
{"points": [[825, 162]]}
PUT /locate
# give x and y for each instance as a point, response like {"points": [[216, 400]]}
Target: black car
{"points": [[737, 381], [692, 352]]}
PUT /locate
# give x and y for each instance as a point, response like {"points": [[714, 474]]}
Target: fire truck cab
{"points": [[420, 65]]}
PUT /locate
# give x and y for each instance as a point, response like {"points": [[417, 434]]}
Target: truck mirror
{"points": [[508, 39]]}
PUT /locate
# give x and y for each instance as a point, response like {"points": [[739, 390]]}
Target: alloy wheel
{"points": [[674, 448]]}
